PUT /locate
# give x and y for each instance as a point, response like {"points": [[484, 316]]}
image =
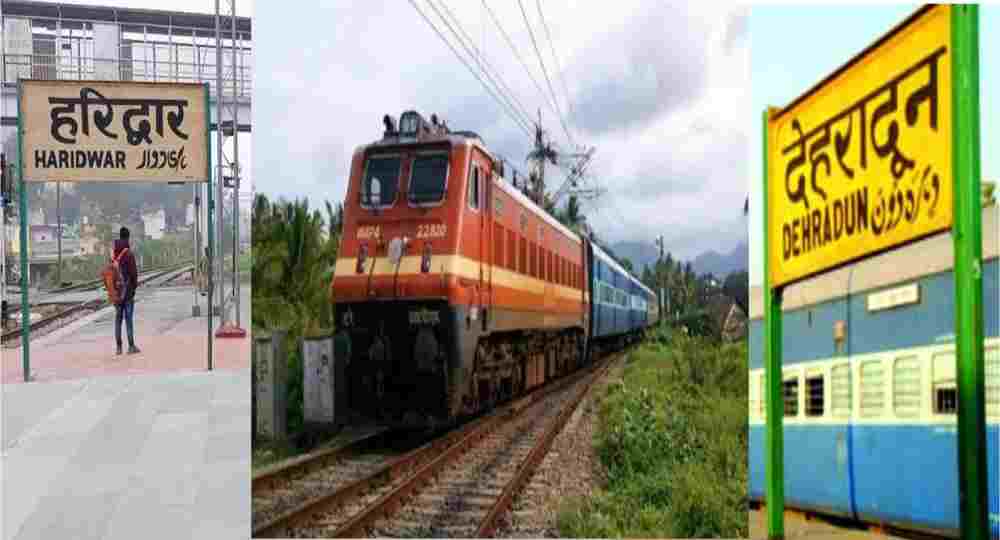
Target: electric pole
{"points": [[540, 154], [664, 298]]}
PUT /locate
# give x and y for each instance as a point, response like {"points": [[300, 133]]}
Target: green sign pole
{"points": [[968, 236], [22, 197], [774, 468], [209, 211]]}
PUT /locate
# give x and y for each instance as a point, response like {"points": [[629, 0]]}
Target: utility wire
{"points": [[485, 64], [517, 54], [552, 47], [545, 71], [512, 114]]}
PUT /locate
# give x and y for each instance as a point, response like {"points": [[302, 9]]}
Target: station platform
{"points": [[800, 525], [125, 456], [168, 336]]}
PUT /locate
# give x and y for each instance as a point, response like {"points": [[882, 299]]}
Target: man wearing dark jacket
{"points": [[130, 275]]}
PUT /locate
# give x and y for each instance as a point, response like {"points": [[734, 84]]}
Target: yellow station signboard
{"points": [[97, 131], [863, 162]]}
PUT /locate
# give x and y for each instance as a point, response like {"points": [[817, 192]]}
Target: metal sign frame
{"points": [[967, 234], [23, 211]]}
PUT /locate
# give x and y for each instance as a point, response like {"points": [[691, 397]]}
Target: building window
{"points": [[906, 386], [814, 396], [872, 388], [840, 390], [790, 391]]}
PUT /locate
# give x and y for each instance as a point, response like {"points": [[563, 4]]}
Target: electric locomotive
{"points": [[454, 290]]}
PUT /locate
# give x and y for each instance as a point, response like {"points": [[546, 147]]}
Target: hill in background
{"points": [[719, 265]]}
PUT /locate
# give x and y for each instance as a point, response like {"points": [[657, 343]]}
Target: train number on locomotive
{"points": [[431, 230]]}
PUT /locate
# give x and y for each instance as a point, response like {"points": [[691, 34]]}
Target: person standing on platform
{"points": [[130, 278]]}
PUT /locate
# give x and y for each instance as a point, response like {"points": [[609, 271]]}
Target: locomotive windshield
{"points": [[381, 179], [427, 179]]}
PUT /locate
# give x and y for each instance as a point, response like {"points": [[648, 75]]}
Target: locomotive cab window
{"points": [[428, 178], [381, 178], [474, 187]]}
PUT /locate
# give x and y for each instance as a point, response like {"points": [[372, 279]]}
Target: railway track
{"points": [[460, 484], [89, 305]]}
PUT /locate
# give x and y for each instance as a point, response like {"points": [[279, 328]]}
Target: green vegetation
{"points": [[292, 259], [153, 253], [672, 441]]}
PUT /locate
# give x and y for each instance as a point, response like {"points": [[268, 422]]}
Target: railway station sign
{"points": [[884, 151], [95, 131], [862, 162]]}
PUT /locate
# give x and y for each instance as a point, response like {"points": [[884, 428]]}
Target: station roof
{"points": [[33, 8]]}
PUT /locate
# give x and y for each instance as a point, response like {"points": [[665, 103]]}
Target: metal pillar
{"points": [[211, 243], [775, 447], [23, 248], [59, 234], [218, 171], [236, 172], [968, 241], [196, 232]]}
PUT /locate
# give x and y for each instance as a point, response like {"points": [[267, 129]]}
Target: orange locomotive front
{"points": [[454, 290]]}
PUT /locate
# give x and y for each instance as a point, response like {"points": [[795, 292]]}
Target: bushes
{"points": [[672, 440]]}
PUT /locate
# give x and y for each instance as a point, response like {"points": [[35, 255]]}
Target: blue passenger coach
{"points": [[621, 306], [869, 388]]}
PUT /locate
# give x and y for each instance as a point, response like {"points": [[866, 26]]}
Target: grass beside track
{"points": [[672, 445]]}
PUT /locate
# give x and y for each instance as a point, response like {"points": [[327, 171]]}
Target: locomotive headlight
{"points": [[362, 257], [425, 260]]}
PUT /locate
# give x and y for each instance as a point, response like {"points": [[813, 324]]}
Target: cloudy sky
{"points": [[660, 89], [825, 38]]}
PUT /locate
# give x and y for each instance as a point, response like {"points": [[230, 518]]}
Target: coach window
{"points": [[474, 187], [763, 397], [906, 387], [840, 390], [992, 359], [814, 394], [790, 392], [872, 388], [380, 181], [943, 390], [428, 179]]}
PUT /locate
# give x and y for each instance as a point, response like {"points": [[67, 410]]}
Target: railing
{"points": [[47, 48]]}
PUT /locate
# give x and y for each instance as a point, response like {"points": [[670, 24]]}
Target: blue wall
{"points": [[907, 326]]}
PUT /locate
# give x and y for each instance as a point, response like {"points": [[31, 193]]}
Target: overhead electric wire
{"points": [[545, 72], [512, 114], [552, 47], [517, 54], [485, 64]]}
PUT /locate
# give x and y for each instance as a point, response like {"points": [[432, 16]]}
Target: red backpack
{"points": [[113, 279]]}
